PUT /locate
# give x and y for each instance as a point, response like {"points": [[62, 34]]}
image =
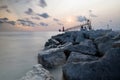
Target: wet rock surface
{"points": [[84, 55]]}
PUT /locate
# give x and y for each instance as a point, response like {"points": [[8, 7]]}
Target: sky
{"points": [[51, 15]]}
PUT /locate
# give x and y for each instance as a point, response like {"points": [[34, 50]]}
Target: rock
{"points": [[106, 68], [93, 34], [38, 73], [116, 44], [104, 43], [88, 43], [65, 37], [52, 43], [51, 58], [79, 37], [78, 57], [117, 37], [81, 49], [111, 34]]}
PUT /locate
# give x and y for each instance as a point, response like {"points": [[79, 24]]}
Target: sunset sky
{"points": [[44, 15]]}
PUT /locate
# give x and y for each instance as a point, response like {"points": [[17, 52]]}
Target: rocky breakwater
{"points": [[84, 55]]}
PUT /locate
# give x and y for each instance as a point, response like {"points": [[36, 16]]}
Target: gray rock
{"points": [[38, 73], [117, 37], [51, 58], [93, 34], [78, 57], [52, 43], [104, 43], [116, 44], [79, 37], [88, 42], [80, 49], [106, 68]]}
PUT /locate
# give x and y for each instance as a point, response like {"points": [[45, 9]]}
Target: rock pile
{"points": [[84, 55]]}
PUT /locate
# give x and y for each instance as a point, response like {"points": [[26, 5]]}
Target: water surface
{"points": [[18, 52]]}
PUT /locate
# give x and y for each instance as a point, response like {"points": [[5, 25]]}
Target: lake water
{"points": [[18, 52]]}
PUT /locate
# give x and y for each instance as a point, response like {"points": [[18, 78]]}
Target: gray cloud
{"points": [[36, 18], [92, 15], [3, 20], [26, 22], [43, 24], [60, 24], [11, 22], [90, 11], [42, 3], [44, 15], [29, 11], [7, 10], [3, 7], [24, 1], [55, 19], [81, 18]]}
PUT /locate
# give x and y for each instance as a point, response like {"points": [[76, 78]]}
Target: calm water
{"points": [[18, 52]]}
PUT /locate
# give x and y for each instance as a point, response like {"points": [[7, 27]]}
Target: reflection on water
{"points": [[18, 52]]}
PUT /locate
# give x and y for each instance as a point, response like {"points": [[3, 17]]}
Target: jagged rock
{"points": [[79, 37], [117, 37], [82, 49], [51, 58], [38, 73], [78, 57], [52, 43], [93, 34], [88, 43], [106, 68], [116, 44], [105, 42]]}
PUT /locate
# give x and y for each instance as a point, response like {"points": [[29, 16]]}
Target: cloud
{"points": [[60, 24], [55, 19], [7, 10], [90, 11], [26, 22], [29, 11], [42, 3], [43, 24], [92, 15], [11, 22], [81, 18], [25, 1], [36, 18], [44, 15], [3, 7], [3, 20]]}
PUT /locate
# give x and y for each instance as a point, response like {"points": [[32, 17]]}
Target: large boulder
{"points": [[93, 34], [104, 43], [52, 43], [79, 37], [82, 48], [116, 44], [51, 58], [79, 57], [106, 68], [38, 73]]}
